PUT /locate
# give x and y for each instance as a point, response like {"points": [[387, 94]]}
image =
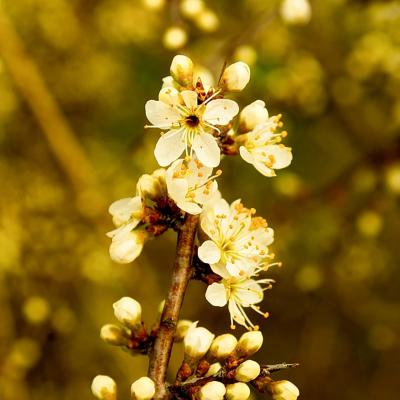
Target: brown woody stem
{"points": [[159, 358]]}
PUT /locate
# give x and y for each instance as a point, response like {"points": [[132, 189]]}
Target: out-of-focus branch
{"points": [[58, 133]]}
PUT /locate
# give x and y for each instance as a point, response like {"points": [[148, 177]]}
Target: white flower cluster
{"points": [[211, 361], [237, 251], [198, 126]]}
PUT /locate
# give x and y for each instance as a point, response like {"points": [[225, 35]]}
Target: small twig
{"points": [[159, 358], [267, 369]]}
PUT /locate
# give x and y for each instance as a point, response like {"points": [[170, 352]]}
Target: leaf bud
{"points": [[114, 335], [249, 343], [104, 387], [182, 70], [128, 311], [182, 328], [283, 390], [252, 115], [197, 341], [247, 371], [235, 77], [212, 391], [237, 391], [222, 346], [143, 389]]}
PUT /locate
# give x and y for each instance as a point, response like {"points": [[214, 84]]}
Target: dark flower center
{"points": [[192, 120]]}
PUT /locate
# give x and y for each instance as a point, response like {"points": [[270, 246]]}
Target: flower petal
{"points": [[209, 252], [216, 294], [207, 150], [190, 207], [246, 155], [126, 248], [249, 292], [161, 114], [281, 155], [169, 147], [190, 98], [127, 209], [220, 111]]}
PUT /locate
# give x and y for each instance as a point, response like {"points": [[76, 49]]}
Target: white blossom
{"points": [[235, 77], [126, 244], [128, 311], [197, 341], [237, 391], [239, 293], [253, 115], [213, 390], [283, 390], [182, 70], [249, 343], [237, 240], [128, 210], [247, 371], [104, 387], [189, 126], [143, 389], [262, 148], [222, 346], [190, 184]]}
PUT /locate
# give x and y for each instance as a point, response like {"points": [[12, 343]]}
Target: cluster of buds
{"points": [[105, 388], [218, 367], [131, 335]]}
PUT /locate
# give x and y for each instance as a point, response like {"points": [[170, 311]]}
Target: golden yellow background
{"points": [[74, 78]]}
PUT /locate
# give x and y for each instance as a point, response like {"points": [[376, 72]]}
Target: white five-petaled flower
{"points": [[127, 243], [239, 293], [262, 148], [238, 241], [190, 184], [190, 126]]}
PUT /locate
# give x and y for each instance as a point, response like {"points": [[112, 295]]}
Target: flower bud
{"points": [[237, 391], [222, 346], [150, 187], [212, 391], [283, 390], [169, 95], [182, 328], [114, 335], [249, 343], [104, 387], [197, 341], [182, 70], [127, 246], [296, 12], [213, 369], [252, 115], [235, 77], [143, 389], [128, 311], [247, 371]]}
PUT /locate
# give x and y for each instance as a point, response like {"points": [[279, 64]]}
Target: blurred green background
{"points": [[335, 308]]}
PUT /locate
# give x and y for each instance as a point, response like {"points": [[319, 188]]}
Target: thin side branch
{"points": [[57, 131], [181, 275]]}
